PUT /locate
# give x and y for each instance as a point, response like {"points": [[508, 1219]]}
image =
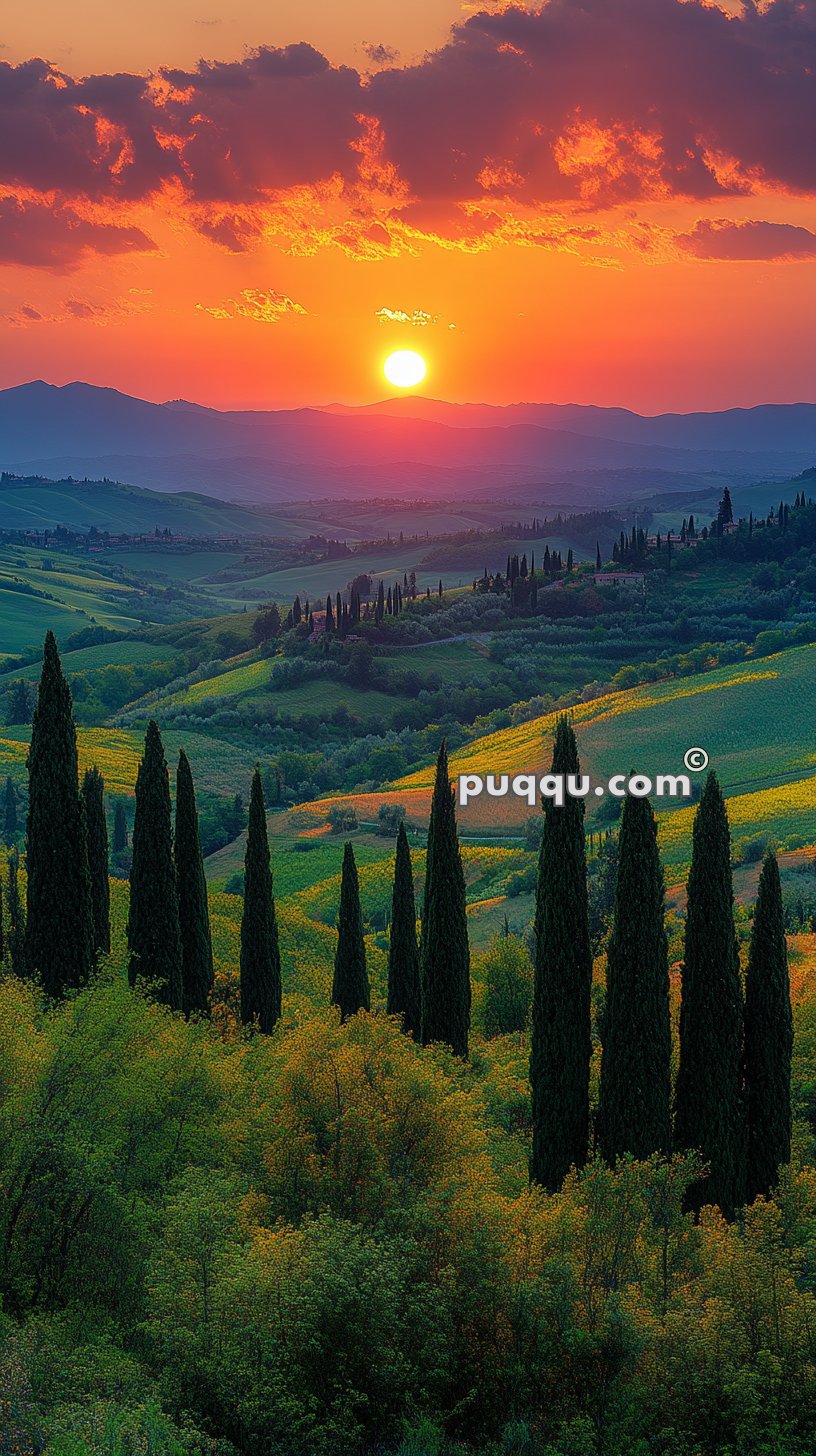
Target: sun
{"points": [[405, 368]]}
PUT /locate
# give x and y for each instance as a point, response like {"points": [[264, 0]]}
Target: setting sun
{"points": [[405, 368]]}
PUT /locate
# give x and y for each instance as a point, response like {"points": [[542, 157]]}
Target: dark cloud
{"points": [[278, 119], [748, 241], [381, 55], [588, 101], [93, 138], [34, 235], [610, 99]]}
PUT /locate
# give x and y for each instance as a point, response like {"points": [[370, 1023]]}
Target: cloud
{"points": [[566, 104], [35, 235], [265, 306], [99, 137], [772, 242], [82, 310], [379, 54], [418, 318]]}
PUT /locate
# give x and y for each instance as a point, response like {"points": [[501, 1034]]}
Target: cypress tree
{"points": [[634, 1113], [444, 954], [768, 1039], [153, 932], [709, 1104], [261, 992], [60, 927], [93, 796], [10, 824], [403, 953], [191, 886], [561, 1035], [120, 830], [350, 989]]}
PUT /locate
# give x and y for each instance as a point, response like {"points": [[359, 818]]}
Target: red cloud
{"points": [[589, 101], [34, 235], [748, 241]]}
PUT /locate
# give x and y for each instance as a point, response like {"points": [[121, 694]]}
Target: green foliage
{"points": [[768, 1039], [507, 972], [153, 931], [350, 987], [404, 992], [194, 918], [634, 1108], [561, 1039], [260, 965], [93, 798], [59, 944], [444, 951], [709, 1103]]}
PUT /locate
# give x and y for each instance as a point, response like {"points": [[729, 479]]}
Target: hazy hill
{"points": [[79, 429]]}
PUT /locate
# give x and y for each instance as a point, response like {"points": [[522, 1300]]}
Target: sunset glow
{"points": [[220, 227]]}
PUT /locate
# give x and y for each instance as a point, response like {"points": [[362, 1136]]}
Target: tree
{"points": [[266, 626], [19, 702], [153, 931], [444, 954], [260, 969], [60, 926], [404, 997], [508, 981], [120, 829], [93, 795], [350, 989], [768, 1039], [709, 1105], [561, 1037], [191, 887], [634, 1112], [10, 825], [725, 513]]}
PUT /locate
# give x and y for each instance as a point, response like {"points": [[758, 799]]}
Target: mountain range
{"points": [[580, 454]]}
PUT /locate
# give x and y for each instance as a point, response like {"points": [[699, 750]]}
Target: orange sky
{"points": [[524, 200]]}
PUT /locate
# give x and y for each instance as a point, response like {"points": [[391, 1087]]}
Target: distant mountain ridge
{"points": [[406, 443]]}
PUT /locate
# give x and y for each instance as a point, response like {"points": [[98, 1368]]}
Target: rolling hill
{"points": [[80, 430]]}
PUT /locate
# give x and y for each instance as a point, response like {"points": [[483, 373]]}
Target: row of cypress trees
{"points": [[429, 979], [732, 1095]]}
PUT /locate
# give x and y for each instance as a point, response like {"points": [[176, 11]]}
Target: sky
{"points": [[603, 201]]}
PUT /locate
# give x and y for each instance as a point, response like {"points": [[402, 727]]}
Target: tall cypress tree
{"points": [[93, 797], [10, 825], [153, 933], [561, 1036], [404, 997], [709, 1103], [768, 1039], [634, 1112], [261, 994], [60, 928], [350, 989], [191, 886], [444, 951]]}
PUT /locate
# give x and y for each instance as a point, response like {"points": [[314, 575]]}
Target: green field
{"points": [[129, 652]]}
